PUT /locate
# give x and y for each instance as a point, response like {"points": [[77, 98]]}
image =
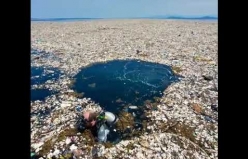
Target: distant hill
{"points": [[204, 17], [182, 17]]}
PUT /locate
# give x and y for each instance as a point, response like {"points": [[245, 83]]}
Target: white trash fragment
{"points": [[56, 152], [65, 104], [50, 155], [73, 147], [37, 150], [133, 107], [134, 115], [38, 145], [68, 141]]}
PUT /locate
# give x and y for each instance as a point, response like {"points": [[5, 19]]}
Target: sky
{"points": [[122, 8]]}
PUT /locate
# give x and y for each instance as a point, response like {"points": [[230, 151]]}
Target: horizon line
{"points": [[157, 16]]}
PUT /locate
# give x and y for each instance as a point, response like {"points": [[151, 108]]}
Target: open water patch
{"points": [[39, 76], [40, 94], [120, 83], [123, 87]]}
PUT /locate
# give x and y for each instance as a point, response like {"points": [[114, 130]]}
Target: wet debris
{"points": [[207, 78]]}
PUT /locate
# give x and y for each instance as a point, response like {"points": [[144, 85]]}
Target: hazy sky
{"points": [[121, 8]]}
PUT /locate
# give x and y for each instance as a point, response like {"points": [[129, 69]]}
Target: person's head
{"points": [[90, 118]]}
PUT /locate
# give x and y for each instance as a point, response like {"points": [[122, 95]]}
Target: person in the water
{"points": [[90, 118], [98, 123]]}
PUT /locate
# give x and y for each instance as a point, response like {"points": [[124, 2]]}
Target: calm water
{"points": [[63, 19], [205, 18], [119, 83], [40, 94], [39, 75]]}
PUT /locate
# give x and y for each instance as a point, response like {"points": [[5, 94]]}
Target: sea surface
{"points": [[205, 18], [119, 83]]}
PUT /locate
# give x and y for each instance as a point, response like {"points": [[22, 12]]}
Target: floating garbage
{"points": [[214, 107], [78, 109], [191, 56], [133, 107]]}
